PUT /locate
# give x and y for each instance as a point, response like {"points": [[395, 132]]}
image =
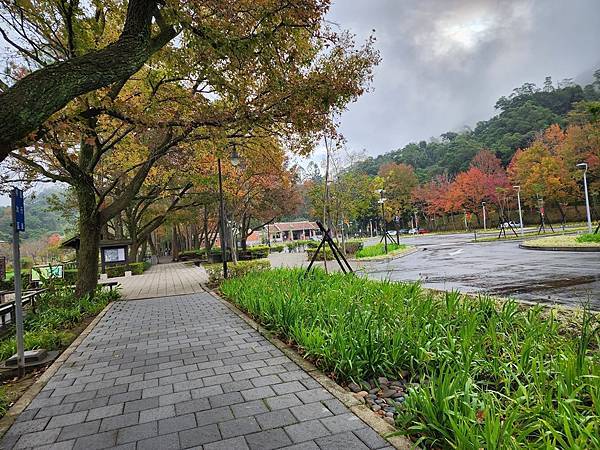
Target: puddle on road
{"points": [[549, 284]]}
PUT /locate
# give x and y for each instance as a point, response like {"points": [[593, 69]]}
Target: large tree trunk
{"points": [[89, 242], [25, 106]]}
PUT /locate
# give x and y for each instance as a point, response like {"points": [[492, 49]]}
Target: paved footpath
{"points": [[164, 279], [183, 372]]}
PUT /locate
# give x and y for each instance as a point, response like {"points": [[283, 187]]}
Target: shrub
{"points": [[277, 248], [198, 253], [588, 237], [490, 375], [352, 246], [311, 252], [378, 250], [70, 276], [215, 271], [292, 245], [255, 252], [136, 268], [57, 310], [9, 284]]}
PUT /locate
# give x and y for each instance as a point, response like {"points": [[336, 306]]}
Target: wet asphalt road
{"points": [[499, 268]]}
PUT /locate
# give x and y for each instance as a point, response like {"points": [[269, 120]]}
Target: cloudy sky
{"points": [[446, 62]]}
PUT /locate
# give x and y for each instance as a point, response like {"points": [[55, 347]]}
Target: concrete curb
{"points": [[33, 390], [560, 249], [351, 402]]}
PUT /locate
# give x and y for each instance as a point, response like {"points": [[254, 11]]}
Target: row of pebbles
{"points": [[381, 395]]}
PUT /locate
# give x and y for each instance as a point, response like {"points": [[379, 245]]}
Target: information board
{"points": [[42, 273]]}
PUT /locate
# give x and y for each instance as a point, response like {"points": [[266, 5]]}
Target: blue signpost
{"points": [[18, 216]]}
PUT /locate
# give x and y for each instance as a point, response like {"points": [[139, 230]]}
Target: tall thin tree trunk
{"points": [[142, 253], [174, 243]]}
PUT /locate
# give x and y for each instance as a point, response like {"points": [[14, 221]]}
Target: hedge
{"points": [[215, 271], [137, 268]]}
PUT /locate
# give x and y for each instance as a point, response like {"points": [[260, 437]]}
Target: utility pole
{"points": [[484, 217], [584, 166], [222, 220], [518, 188]]}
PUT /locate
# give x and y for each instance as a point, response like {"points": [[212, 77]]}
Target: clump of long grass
{"points": [[490, 375], [378, 250], [57, 310]]}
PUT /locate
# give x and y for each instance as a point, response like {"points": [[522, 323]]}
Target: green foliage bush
{"points": [[277, 248], [136, 268], [9, 285], [57, 310], [352, 246], [589, 237], [198, 253], [378, 250], [254, 252], [292, 245], [490, 375], [215, 271], [70, 276]]}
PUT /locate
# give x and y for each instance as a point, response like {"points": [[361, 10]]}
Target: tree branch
{"points": [[27, 104]]}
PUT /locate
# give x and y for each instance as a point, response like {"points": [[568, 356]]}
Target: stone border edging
{"points": [[560, 249], [353, 404], [33, 390]]}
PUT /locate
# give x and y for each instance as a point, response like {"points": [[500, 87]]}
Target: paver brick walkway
{"points": [[162, 280], [183, 372]]}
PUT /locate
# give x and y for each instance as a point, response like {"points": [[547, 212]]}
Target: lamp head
{"points": [[235, 157], [583, 166]]}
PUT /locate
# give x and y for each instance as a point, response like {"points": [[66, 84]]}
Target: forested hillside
{"points": [[521, 117], [40, 220]]}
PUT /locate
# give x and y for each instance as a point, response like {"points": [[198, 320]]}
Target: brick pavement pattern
{"points": [[162, 280], [184, 372]]}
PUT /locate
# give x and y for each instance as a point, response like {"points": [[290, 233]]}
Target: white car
{"points": [[413, 231]]}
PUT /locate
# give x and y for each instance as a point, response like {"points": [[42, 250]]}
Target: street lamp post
{"points": [[384, 228], [234, 161], [584, 166], [484, 217], [518, 188]]}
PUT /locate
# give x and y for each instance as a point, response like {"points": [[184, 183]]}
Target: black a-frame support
{"points": [[338, 255]]}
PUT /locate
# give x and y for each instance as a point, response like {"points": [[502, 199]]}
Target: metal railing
{"points": [[7, 308]]}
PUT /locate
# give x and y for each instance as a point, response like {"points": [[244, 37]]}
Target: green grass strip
{"points": [[486, 374]]}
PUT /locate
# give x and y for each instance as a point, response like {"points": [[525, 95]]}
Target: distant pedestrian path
{"points": [[163, 280], [184, 372]]}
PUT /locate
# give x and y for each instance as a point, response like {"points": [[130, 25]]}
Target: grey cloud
{"points": [[446, 62]]}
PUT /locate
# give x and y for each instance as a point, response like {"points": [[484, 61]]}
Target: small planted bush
{"points": [[215, 271], [378, 250], [136, 268], [277, 248], [57, 310], [483, 374]]}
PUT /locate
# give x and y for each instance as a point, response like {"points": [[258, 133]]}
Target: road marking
{"points": [[456, 252]]}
